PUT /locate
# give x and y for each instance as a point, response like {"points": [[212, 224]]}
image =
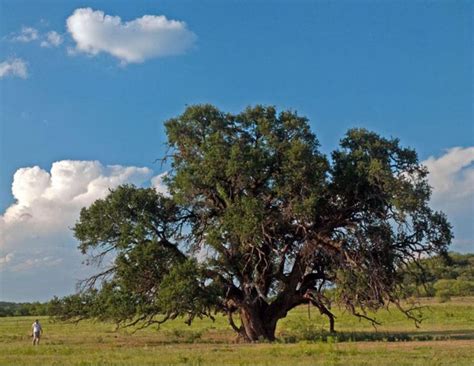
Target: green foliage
{"points": [[150, 276], [441, 276], [454, 287], [183, 292], [128, 216]]}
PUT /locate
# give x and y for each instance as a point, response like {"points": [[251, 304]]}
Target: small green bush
{"points": [[446, 288]]}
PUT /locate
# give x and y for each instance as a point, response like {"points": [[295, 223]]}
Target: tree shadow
{"points": [[344, 336]]}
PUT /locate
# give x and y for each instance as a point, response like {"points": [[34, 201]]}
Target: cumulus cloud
{"points": [[131, 42], [452, 178], [52, 39], [36, 240], [14, 67], [27, 34]]}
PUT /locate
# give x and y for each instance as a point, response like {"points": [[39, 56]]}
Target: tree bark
{"points": [[255, 326]]}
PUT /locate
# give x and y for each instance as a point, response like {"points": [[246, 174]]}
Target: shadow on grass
{"points": [[321, 336], [189, 336]]}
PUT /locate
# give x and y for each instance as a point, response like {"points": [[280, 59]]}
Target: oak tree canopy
{"points": [[258, 221]]}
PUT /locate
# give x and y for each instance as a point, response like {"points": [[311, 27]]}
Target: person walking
{"points": [[36, 330]]}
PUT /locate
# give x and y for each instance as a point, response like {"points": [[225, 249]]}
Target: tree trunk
{"points": [[255, 326]]}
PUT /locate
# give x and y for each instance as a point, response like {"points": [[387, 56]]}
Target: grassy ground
{"points": [[446, 336]]}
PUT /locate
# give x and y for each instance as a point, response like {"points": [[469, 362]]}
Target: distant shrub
{"points": [[458, 287], [183, 336], [443, 297]]}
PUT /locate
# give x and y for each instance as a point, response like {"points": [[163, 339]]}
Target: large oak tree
{"points": [[258, 221]]}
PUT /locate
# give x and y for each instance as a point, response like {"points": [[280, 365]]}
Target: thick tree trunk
{"points": [[255, 326]]}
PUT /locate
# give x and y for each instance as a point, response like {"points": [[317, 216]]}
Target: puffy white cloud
{"points": [[452, 178], [27, 34], [36, 240], [52, 39], [14, 67], [132, 42]]}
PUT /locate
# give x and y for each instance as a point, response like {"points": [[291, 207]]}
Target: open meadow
{"points": [[446, 336]]}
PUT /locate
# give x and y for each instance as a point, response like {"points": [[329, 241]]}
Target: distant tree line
{"points": [[24, 309], [442, 277]]}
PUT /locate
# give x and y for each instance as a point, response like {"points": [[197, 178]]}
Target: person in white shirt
{"points": [[36, 332]]}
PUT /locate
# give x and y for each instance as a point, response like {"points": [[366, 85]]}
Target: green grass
{"points": [[446, 336]]}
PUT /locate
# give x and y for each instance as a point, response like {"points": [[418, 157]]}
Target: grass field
{"points": [[446, 337]]}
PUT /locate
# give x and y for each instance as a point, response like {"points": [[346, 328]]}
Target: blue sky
{"points": [[403, 69]]}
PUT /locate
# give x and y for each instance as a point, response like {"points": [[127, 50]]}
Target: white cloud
{"points": [[452, 178], [14, 67], [159, 185], [36, 240], [27, 34], [52, 39], [132, 42], [30, 34]]}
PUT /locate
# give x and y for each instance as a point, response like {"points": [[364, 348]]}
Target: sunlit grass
{"points": [[446, 336]]}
